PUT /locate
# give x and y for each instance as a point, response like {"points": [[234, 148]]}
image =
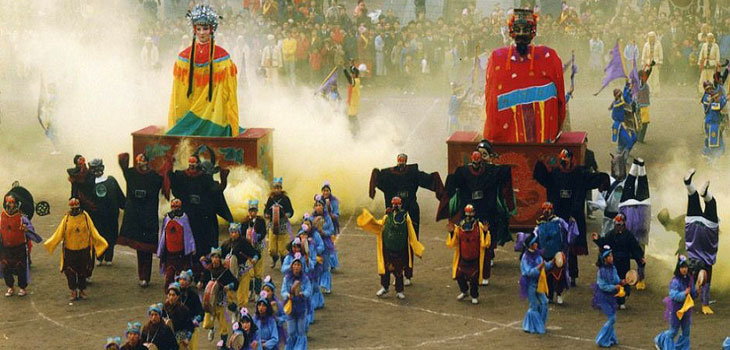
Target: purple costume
{"points": [[701, 237], [674, 302], [701, 230], [635, 203], [172, 263], [30, 234], [604, 300], [556, 235]]}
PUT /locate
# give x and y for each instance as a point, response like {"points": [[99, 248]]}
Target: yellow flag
{"points": [[542, 286], [288, 307], [688, 304]]}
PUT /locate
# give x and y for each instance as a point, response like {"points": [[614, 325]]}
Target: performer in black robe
{"points": [[178, 314], [625, 247], [107, 199], [566, 185], [202, 199], [82, 183], [403, 180], [487, 187], [190, 297], [140, 221], [155, 331]]}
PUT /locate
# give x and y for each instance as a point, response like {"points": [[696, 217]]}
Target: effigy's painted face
{"points": [[523, 32], [203, 32]]}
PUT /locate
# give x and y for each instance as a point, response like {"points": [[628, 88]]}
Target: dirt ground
{"points": [[354, 318]]}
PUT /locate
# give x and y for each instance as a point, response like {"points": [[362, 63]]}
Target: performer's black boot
{"points": [[688, 177], [257, 286], [273, 261]]}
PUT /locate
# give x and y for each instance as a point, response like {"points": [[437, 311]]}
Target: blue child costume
{"points": [[533, 286], [604, 297], [555, 235], [241, 338], [277, 308], [623, 137], [268, 333], [332, 206], [713, 101], [678, 311], [296, 289], [324, 225]]}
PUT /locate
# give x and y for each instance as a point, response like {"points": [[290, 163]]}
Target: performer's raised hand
{"points": [[594, 236]]}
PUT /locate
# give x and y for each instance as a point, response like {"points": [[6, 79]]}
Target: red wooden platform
{"points": [[252, 148], [522, 158]]}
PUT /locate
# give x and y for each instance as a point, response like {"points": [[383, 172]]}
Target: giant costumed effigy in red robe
{"points": [[525, 95]]}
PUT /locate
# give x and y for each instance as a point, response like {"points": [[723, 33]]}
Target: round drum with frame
{"points": [[232, 262], [210, 296], [631, 277], [150, 346], [276, 218], [559, 259], [235, 341]]}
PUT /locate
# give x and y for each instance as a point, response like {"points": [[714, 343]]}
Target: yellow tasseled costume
{"points": [[485, 240], [368, 223], [76, 233], [221, 111]]}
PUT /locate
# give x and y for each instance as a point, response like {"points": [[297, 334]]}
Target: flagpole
{"points": [[334, 69], [621, 56], [41, 102]]}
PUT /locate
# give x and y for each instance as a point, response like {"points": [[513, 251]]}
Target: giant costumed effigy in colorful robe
{"points": [[525, 95], [204, 101]]}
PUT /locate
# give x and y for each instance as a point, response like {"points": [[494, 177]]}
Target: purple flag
{"points": [[328, 82], [573, 71], [614, 70]]}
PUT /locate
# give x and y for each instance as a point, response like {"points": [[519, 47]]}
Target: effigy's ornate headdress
{"points": [[204, 14], [523, 21]]}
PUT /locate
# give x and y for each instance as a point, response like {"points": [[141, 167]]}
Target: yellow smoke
{"points": [[313, 144], [245, 184], [668, 191], [91, 51]]}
